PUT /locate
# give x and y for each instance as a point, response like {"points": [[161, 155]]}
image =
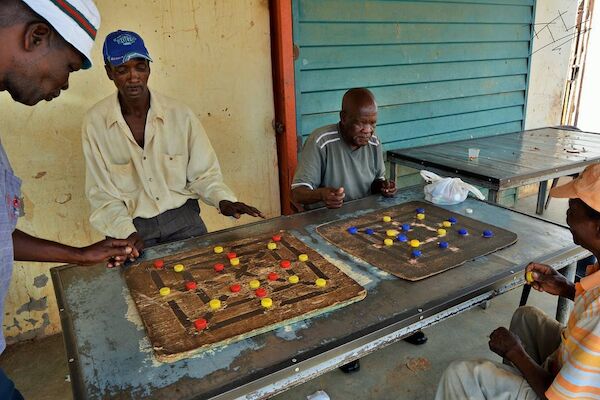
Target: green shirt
{"points": [[328, 161]]}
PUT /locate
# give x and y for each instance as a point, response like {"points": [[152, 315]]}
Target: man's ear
{"points": [[342, 115], [37, 35], [108, 71]]}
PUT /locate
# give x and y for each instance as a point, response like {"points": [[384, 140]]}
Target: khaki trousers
{"points": [[487, 380]]}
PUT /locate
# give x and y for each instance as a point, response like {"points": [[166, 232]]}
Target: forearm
{"points": [[305, 195], [569, 291], [29, 248], [538, 378]]}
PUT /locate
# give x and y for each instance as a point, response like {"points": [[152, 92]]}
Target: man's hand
{"points": [[236, 209], [505, 343], [547, 279], [388, 188], [114, 251], [333, 198]]}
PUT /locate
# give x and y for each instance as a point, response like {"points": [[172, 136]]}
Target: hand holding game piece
{"points": [[333, 198], [388, 188], [504, 343], [547, 279], [112, 251], [235, 210]]}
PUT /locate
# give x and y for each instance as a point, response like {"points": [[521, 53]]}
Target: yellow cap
{"points": [[441, 232], [320, 282], [294, 279], [303, 257], [178, 268], [387, 218], [218, 249], [272, 246], [164, 291], [266, 302], [214, 304], [529, 276], [235, 261], [420, 216], [388, 242], [254, 284], [415, 243], [391, 232], [446, 224]]}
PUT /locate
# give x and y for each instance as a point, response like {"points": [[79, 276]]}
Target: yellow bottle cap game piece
{"points": [[272, 246], [420, 216], [320, 282], [164, 291], [178, 268], [388, 242], [391, 232], [446, 224], [387, 218], [254, 284], [266, 302], [214, 304], [293, 279], [218, 249], [235, 261], [303, 257], [441, 232], [529, 276], [415, 243]]}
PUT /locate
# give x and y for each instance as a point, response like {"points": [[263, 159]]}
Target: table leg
{"points": [[564, 305], [541, 199], [392, 171], [493, 196]]}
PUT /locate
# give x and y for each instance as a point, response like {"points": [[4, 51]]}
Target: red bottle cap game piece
{"points": [[200, 324], [191, 285], [261, 292], [219, 267], [285, 264], [273, 276], [231, 255], [159, 264], [276, 238], [235, 288]]}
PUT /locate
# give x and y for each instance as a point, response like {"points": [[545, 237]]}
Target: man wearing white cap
{"points": [[148, 159], [43, 41]]}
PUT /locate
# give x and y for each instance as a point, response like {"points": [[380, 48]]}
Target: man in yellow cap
{"points": [[543, 358]]}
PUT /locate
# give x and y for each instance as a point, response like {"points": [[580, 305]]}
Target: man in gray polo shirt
{"points": [[343, 161]]}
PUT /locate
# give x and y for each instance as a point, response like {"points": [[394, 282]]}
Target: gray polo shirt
{"points": [[328, 161]]}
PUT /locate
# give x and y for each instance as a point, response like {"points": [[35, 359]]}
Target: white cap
{"points": [[77, 21]]}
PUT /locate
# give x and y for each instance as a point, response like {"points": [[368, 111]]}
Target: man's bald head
{"points": [[14, 12], [358, 117]]}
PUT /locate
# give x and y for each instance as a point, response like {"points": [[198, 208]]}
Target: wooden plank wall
{"points": [[440, 70]]}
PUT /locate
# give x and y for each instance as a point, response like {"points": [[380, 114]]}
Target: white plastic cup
{"points": [[473, 153]]}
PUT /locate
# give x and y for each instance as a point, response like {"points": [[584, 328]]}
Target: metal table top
{"points": [[110, 356], [509, 160]]}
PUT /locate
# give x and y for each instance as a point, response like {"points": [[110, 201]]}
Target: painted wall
{"points": [[213, 55], [589, 118], [554, 30]]}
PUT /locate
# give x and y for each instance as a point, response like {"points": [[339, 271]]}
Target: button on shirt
{"points": [[125, 181], [328, 161], [10, 190]]}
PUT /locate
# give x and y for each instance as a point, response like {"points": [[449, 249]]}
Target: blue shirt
{"points": [[10, 210]]}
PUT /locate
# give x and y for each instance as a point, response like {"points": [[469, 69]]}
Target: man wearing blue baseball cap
{"points": [[148, 158], [43, 41]]}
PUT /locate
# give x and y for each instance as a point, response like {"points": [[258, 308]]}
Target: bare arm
{"points": [[333, 198]]}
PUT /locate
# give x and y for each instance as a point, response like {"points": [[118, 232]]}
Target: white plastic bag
{"points": [[447, 191]]}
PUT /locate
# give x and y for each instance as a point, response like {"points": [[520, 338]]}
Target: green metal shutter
{"points": [[440, 70]]}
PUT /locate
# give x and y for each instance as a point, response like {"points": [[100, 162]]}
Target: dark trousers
{"points": [[176, 224], [7, 388]]}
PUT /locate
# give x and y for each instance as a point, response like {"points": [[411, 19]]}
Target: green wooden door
{"points": [[440, 70]]}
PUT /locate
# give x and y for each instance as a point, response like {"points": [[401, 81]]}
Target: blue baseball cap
{"points": [[122, 46]]}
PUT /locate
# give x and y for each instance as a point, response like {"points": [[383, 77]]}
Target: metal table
{"points": [[507, 161], [110, 357]]}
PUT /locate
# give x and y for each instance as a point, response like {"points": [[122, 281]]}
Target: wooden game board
{"points": [[397, 259], [169, 320]]}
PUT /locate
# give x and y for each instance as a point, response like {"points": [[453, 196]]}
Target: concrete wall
{"points": [[213, 55], [589, 118], [554, 30]]}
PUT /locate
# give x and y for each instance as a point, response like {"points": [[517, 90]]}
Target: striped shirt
{"points": [[579, 351], [328, 161]]}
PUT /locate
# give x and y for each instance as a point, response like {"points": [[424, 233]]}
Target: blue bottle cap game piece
{"points": [[420, 210], [416, 253], [488, 234], [443, 245], [406, 227], [369, 231], [452, 220], [463, 232], [402, 238], [353, 230]]}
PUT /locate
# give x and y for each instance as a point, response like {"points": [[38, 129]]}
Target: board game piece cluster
{"points": [[393, 235]]}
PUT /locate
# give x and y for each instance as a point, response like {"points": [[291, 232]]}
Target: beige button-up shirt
{"points": [[124, 181]]}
